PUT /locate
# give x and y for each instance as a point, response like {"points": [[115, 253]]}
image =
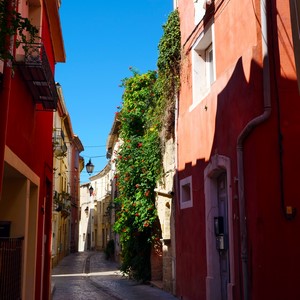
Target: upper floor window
{"points": [[32, 10], [199, 6], [209, 60], [203, 65]]}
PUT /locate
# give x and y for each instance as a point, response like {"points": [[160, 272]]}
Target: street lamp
{"points": [[89, 167], [86, 211], [91, 190]]}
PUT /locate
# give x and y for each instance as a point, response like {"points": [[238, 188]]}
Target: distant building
{"points": [[86, 219], [77, 165], [97, 210], [67, 165], [95, 221], [112, 145], [101, 184]]}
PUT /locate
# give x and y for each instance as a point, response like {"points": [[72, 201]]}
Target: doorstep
{"points": [[157, 284]]}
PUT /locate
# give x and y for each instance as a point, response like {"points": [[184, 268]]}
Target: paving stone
{"points": [[89, 276]]}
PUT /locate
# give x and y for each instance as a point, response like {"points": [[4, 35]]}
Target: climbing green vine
{"points": [[148, 101], [138, 166], [168, 64]]}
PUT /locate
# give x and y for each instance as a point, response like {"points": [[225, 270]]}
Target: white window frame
{"points": [[209, 61], [204, 71], [186, 197], [200, 8]]}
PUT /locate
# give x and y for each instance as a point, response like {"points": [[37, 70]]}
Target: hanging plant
{"points": [[13, 25]]}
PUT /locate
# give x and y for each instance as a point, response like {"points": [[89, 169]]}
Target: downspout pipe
{"points": [[240, 150]]}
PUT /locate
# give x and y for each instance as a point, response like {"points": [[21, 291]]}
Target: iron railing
{"points": [[34, 65], [59, 145], [10, 268]]}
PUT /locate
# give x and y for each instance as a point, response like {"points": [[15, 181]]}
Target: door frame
{"points": [[218, 164]]}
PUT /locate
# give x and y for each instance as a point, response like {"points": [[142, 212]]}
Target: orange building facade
{"points": [[237, 135]]}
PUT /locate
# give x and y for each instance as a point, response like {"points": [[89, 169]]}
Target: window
{"points": [[186, 194], [32, 10], [209, 65], [199, 6], [203, 65]]}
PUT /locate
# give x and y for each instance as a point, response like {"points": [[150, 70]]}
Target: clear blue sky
{"points": [[102, 40]]}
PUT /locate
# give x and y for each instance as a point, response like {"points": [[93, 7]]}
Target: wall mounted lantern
{"points": [[86, 211], [91, 190], [90, 167]]}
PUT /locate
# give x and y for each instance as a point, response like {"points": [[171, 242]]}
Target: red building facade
{"points": [[238, 126], [28, 97]]}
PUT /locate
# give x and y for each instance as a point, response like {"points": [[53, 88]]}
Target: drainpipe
{"points": [[240, 142]]}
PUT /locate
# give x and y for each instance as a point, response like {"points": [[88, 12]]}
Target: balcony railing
{"points": [[58, 140], [35, 68], [62, 203], [10, 268]]}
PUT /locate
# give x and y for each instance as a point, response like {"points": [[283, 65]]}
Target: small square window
{"points": [[186, 193]]}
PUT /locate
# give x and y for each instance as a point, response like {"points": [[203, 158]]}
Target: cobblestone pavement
{"points": [[89, 276]]}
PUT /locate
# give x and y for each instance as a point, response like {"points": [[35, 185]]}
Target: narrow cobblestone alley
{"points": [[88, 275]]}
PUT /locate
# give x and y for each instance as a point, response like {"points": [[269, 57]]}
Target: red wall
{"points": [[214, 125], [29, 136]]}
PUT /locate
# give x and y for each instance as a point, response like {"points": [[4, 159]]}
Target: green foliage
{"points": [[168, 63], [138, 169], [137, 263], [169, 47], [13, 24], [147, 100]]}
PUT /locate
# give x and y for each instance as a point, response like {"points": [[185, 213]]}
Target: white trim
{"points": [[210, 70], [217, 165], [201, 83], [186, 203], [200, 9]]}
